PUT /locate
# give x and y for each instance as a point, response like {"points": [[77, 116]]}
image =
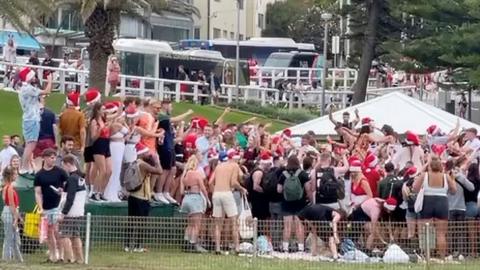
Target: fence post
{"points": [[142, 88], [290, 100], [87, 238], [195, 93], [245, 95], [229, 95], [177, 92], [263, 96], [255, 237], [161, 87], [427, 244], [62, 81], [123, 85], [277, 97]]}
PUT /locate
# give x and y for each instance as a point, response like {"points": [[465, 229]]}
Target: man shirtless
{"points": [[224, 180]]}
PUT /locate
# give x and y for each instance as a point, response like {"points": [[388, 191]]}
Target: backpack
{"points": [[132, 179], [270, 181], [292, 188], [328, 188]]}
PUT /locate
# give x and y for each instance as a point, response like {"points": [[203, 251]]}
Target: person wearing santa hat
{"points": [[436, 136], [371, 172], [29, 97], [411, 151], [72, 123], [365, 139], [92, 97], [139, 201], [409, 197], [223, 180], [119, 132], [360, 187]]}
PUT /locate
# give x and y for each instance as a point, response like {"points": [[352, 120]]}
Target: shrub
{"points": [[292, 116]]}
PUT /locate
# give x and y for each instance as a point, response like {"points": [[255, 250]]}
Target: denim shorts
{"points": [[31, 130], [52, 215], [193, 203], [472, 210]]}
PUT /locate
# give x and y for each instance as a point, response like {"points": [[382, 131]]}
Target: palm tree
{"points": [[101, 19]]}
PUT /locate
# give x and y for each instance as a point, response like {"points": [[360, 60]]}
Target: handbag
{"points": [[32, 223], [245, 220], [419, 201]]}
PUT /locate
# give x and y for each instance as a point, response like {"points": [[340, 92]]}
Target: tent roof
{"points": [[22, 40], [395, 109]]}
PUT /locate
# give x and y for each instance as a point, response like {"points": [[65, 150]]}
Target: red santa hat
{"points": [[433, 130], [233, 154], [73, 99], [110, 107], [410, 172], [266, 157], [276, 139], [202, 123], [92, 96], [141, 148], [412, 138], [355, 165], [390, 203], [370, 161], [131, 111], [190, 141], [287, 133], [26, 74], [366, 121]]}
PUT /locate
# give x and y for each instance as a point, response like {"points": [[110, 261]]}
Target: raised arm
{"points": [[222, 116], [181, 117]]}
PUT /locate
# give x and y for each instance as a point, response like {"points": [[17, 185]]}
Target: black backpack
{"points": [[329, 189], [270, 181]]}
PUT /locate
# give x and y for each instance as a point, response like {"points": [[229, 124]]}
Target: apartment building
{"points": [[219, 18]]}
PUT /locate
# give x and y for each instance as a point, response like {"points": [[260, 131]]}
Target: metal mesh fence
{"points": [[284, 243]]}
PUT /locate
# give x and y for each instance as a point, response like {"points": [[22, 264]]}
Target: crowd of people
{"points": [[136, 151]]}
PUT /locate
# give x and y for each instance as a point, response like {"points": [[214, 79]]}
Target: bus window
{"points": [[136, 64], [279, 60]]}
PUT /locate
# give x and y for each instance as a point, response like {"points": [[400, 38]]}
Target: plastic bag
{"points": [[395, 254], [245, 220]]}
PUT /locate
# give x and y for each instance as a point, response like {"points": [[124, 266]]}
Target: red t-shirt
{"points": [[373, 177]]}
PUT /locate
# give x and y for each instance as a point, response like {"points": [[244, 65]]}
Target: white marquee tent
{"points": [[395, 109]]}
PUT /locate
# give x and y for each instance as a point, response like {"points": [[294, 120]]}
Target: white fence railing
{"points": [[199, 92]]}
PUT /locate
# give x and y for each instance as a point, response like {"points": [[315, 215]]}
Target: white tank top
{"points": [[434, 191]]}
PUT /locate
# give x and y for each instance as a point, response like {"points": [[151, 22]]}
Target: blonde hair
{"points": [[436, 164], [192, 163]]}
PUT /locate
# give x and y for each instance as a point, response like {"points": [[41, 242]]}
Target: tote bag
{"points": [[32, 223], [245, 220], [418, 206]]}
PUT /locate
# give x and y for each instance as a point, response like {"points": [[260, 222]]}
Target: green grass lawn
{"points": [[11, 114], [101, 259]]}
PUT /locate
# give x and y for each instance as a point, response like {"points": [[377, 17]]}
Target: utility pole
{"points": [[326, 17], [237, 58]]}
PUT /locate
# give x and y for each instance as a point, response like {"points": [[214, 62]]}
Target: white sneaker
{"points": [[169, 198], [159, 197]]}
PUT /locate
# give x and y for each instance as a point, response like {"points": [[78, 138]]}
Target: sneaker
{"points": [[160, 198], [200, 249], [169, 198], [102, 198], [126, 249], [139, 250], [95, 197]]}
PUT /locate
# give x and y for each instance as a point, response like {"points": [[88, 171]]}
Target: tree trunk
{"points": [[100, 30], [368, 52]]}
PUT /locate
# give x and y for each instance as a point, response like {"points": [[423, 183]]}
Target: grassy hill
{"points": [[11, 113]]}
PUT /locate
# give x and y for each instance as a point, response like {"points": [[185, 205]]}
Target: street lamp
{"points": [[326, 17], [237, 57]]}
